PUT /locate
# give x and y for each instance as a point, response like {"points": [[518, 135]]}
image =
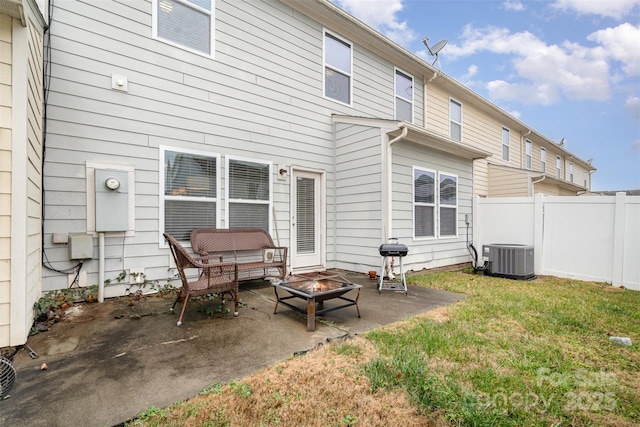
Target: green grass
{"points": [[518, 353]]}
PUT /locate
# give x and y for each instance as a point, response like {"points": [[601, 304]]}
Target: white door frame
{"points": [[299, 264]]}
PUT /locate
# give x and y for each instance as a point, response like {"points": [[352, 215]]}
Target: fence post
{"points": [[618, 239], [538, 233]]}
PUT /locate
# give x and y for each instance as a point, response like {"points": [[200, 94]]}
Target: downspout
{"points": [[101, 267], [523, 148], [387, 182], [533, 183]]}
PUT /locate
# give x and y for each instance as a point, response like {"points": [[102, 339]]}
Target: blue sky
{"points": [[568, 68]]}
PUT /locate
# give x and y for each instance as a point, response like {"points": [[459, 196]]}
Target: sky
{"points": [[568, 68]]}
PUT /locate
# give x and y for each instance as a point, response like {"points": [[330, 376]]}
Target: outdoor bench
{"points": [[251, 248]]}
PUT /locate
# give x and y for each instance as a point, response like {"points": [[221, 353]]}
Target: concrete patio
{"points": [[108, 362]]}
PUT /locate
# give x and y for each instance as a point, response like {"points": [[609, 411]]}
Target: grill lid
{"points": [[395, 249]]}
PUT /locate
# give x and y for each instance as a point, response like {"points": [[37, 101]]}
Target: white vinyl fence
{"points": [[594, 238]]}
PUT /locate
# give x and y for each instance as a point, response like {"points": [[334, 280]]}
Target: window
{"points": [[435, 204], [404, 96], [189, 188], [505, 144], [424, 198], [455, 118], [570, 172], [448, 205], [527, 154], [249, 193], [584, 178], [185, 23], [337, 68], [558, 167], [543, 160]]}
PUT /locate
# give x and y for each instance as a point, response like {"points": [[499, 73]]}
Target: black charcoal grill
{"points": [[386, 250]]}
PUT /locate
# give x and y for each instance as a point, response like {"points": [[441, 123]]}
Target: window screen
{"points": [[187, 23], [455, 117], [337, 71], [249, 194], [404, 97], [190, 198]]}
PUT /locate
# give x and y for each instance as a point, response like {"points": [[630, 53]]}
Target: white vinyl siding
{"points": [[403, 96], [505, 144], [455, 120], [543, 160], [189, 194], [186, 23], [527, 154], [338, 63], [249, 193]]}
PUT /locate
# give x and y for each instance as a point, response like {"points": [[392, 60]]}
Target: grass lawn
{"points": [[513, 353]]}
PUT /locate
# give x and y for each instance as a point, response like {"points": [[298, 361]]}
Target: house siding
{"points": [[259, 96], [507, 183]]}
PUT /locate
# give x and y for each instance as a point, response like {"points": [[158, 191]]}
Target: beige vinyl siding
{"points": [[507, 183], [550, 188], [5, 177]]}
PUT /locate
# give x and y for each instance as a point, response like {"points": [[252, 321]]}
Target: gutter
{"points": [[533, 183]]}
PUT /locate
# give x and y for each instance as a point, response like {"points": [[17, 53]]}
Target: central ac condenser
{"points": [[511, 261]]}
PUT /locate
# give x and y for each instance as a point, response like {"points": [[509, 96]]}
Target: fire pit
{"points": [[316, 288]]}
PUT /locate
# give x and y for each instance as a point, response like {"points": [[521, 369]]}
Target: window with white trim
{"points": [[185, 23], [435, 201], [448, 204], [558, 167], [584, 178], [570, 172], [543, 160], [424, 203], [404, 96], [189, 191], [527, 154], [338, 60], [249, 193], [505, 144], [455, 120]]}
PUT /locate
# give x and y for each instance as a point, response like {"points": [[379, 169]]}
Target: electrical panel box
{"points": [[112, 200], [80, 246], [510, 261]]}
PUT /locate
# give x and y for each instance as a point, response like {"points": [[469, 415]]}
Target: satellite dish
{"points": [[433, 51]]}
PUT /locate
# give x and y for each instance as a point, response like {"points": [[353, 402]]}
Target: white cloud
{"points": [[633, 107], [513, 5], [382, 16], [609, 8], [546, 72], [621, 44]]}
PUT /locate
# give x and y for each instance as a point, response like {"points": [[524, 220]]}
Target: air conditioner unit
{"points": [[511, 261]]}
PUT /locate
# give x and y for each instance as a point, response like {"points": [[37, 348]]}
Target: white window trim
{"points": [[227, 198], [434, 204], [558, 167], [543, 159], [161, 182], [508, 144], [325, 65], [570, 173], [456, 207], [528, 154], [397, 70], [452, 121], [211, 13], [584, 179]]}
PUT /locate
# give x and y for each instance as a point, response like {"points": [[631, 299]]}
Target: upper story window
{"points": [[249, 193], [570, 172], [584, 179], [189, 191], [404, 96], [455, 119], [185, 23], [338, 59], [543, 160], [505, 144], [527, 154], [558, 167]]}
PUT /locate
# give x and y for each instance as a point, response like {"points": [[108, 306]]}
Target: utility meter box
{"points": [[112, 200]]}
